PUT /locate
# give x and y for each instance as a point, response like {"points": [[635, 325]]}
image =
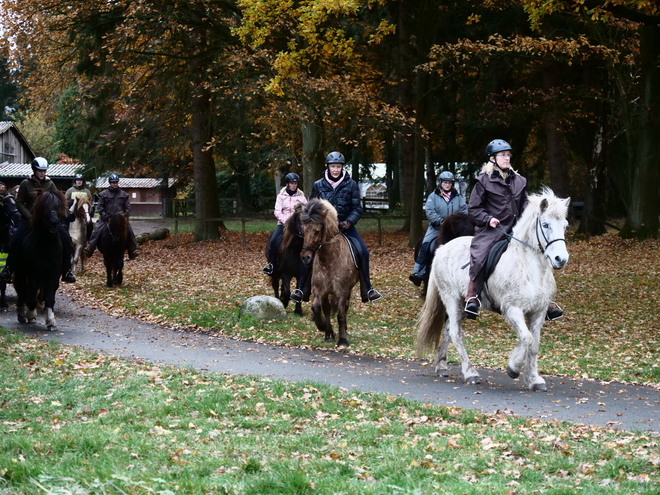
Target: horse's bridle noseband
{"points": [[542, 248]]}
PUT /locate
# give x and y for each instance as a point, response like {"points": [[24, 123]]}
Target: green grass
{"points": [[74, 422]]}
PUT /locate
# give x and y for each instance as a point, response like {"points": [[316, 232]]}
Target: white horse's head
{"points": [[544, 222]]}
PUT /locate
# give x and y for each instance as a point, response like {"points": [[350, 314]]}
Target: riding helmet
{"points": [[113, 178], [497, 145], [40, 163], [291, 177], [78, 177], [446, 175], [335, 157]]}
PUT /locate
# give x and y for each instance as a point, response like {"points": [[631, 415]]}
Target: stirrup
{"points": [[470, 310], [554, 313], [296, 295], [373, 295]]}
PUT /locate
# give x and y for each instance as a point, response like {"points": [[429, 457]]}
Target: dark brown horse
{"points": [[113, 244], [455, 225], [39, 259], [288, 264], [334, 273]]}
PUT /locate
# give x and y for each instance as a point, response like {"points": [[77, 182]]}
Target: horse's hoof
{"points": [[22, 319], [511, 373], [329, 339], [52, 328], [32, 321], [109, 286], [342, 343], [473, 380], [539, 387]]}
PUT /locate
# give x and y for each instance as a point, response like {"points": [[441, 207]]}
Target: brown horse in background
{"points": [[334, 273]]}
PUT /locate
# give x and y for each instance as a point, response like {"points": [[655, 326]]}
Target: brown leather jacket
{"points": [[28, 192], [113, 201], [493, 196]]}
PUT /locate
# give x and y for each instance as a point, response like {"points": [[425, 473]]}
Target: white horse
{"points": [[521, 287], [81, 208]]}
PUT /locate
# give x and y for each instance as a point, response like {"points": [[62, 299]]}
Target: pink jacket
{"points": [[285, 203]]}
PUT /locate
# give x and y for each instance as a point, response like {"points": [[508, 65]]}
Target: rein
{"points": [[538, 240]]}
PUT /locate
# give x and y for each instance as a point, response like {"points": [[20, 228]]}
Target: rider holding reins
{"points": [[28, 192], [112, 200], [342, 192], [497, 201], [288, 198]]}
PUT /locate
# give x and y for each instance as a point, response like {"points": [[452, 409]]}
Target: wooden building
{"points": [[148, 196], [13, 146]]}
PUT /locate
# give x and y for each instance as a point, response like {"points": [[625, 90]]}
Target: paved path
{"points": [[596, 403]]}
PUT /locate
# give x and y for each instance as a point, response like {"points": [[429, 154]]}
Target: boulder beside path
{"points": [[263, 308]]}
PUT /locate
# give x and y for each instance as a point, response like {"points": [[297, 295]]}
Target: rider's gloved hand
{"points": [[345, 225]]}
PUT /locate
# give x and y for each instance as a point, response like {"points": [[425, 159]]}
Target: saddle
{"points": [[355, 249]]}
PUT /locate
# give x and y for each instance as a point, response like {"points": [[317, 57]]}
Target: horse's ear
{"points": [[567, 202], [544, 204]]}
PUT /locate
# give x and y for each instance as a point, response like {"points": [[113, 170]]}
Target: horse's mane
{"points": [[292, 227], [321, 211], [45, 203], [544, 201], [117, 225]]}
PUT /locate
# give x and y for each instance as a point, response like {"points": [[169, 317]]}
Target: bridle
{"points": [[542, 248], [313, 249]]}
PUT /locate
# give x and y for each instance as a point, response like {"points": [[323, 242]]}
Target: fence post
{"points": [[176, 233], [380, 233]]}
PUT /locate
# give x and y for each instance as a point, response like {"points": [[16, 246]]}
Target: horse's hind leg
{"points": [[454, 320], [440, 362]]}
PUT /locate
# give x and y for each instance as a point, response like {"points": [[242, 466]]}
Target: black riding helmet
{"points": [[335, 157], [291, 177], [497, 145]]}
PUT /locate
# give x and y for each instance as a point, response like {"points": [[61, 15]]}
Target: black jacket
{"points": [[345, 197]]}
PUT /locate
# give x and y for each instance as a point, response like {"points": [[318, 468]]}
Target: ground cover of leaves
{"points": [[609, 291], [79, 423]]}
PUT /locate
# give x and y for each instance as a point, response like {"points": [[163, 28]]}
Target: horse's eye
{"points": [[545, 225]]}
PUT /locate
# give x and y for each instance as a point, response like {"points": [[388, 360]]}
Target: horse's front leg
{"points": [[50, 319], [520, 355], [533, 379], [321, 314], [21, 311], [119, 271], [455, 329], [4, 307], [109, 274], [342, 323]]}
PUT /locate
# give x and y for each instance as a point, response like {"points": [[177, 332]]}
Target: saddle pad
{"points": [[353, 249], [494, 256]]}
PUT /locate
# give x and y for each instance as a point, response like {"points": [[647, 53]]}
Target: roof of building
{"points": [[128, 183], [55, 170]]}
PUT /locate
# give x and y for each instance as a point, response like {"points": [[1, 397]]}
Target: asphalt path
{"points": [[603, 404]]}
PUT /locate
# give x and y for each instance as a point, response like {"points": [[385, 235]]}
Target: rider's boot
{"points": [[69, 278], [416, 279], [268, 269], [554, 312], [5, 274], [372, 295], [296, 295], [472, 303]]}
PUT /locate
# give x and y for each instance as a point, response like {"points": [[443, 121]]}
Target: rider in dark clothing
{"points": [[112, 200], [28, 192], [343, 193]]}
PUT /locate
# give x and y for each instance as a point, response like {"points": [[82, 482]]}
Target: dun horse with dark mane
{"points": [[39, 260], [334, 272]]}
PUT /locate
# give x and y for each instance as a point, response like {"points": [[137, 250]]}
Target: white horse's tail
{"points": [[432, 319]]}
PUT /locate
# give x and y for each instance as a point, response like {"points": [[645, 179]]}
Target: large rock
{"points": [[263, 308]]}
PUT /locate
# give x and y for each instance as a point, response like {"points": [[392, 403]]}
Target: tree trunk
{"points": [[313, 156], [407, 140], [206, 193], [559, 174], [593, 214], [642, 220]]}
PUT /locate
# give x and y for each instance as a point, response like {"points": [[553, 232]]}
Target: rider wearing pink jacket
{"points": [[287, 200]]}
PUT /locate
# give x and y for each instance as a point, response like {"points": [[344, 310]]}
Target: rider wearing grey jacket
{"points": [[441, 203]]}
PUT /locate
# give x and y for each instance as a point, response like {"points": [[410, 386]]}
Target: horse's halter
{"points": [[314, 249]]}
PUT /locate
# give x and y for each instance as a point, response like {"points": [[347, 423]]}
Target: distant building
{"points": [[148, 196], [13, 146]]}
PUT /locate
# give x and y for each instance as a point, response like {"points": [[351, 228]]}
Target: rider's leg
{"points": [[273, 248], [472, 303], [366, 289], [94, 240], [67, 276], [419, 270], [8, 270], [132, 243]]}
